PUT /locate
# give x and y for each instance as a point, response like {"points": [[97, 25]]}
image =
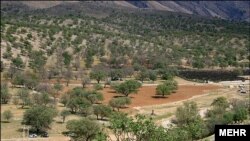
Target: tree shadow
{"points": [[159, 97], [104, 119], [111, 91], [5, 121], [59, 122], [117, 96]]}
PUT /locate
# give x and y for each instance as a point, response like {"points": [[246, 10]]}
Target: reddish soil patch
{"points": [[145, 95]]}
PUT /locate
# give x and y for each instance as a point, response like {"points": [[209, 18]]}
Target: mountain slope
{"points": [[232, 10]]}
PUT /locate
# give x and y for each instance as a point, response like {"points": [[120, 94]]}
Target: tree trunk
{"points": [[63, 119]]}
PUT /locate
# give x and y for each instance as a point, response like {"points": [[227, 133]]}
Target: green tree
{"points": [[37, 60], [119, 102], [98, 75], [128, 87], [64, 114], [39, 117], [67, 58], [7, 115], [78, 104], [93, 96], [83, 129], [102, 111], [163, 90], [166, 88]]}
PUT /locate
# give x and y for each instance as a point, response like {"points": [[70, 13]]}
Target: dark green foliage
{"points": [[2, 66], [240, 113], [212, 75], [18, 62], [67, 58]]}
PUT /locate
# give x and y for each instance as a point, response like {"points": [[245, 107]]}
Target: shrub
{"points": [[7, 115]]}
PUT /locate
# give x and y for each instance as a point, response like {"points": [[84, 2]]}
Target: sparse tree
{"points": [[68, 75], [5, 95], [15, 101], [24, 96], [85, 81], [64, 114]]}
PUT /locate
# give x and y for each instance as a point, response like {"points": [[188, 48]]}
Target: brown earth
{"points": [[146, 94]]}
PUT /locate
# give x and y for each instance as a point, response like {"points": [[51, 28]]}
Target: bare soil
{"points": [[146, 94]]}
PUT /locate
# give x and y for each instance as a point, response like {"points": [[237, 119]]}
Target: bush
{"points": [[240, 114], [7, 115], [98, 87], [187, 113], [220, 102]]}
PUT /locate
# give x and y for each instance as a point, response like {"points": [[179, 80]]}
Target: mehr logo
{"points": [[232, 132]]}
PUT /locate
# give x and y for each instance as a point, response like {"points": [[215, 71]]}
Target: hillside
{"points": [[131, 37], [231, 10]]}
